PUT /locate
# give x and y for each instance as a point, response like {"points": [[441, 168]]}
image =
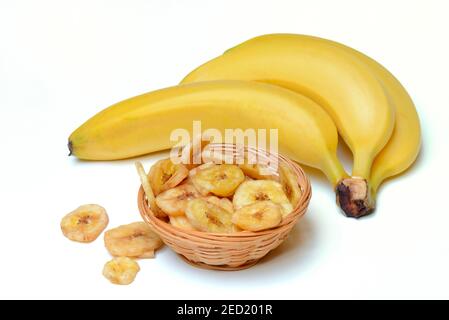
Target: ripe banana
{"points": [[400, 151], [323, 71], [402, 148], [143, 124], [404, 145]]}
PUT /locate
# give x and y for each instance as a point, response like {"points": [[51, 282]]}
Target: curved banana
{"points": [[403, 147], [353, 195], [143, 124], [323, 71]]}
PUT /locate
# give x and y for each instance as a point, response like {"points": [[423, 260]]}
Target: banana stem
{"points": [[70, 146], [354, 194], [354, 197]]}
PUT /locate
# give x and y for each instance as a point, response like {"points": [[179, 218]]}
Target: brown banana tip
{"points": [[70, 146], [354, 198]]}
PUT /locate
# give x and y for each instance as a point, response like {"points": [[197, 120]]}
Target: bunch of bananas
{"points": [[311, 89]]}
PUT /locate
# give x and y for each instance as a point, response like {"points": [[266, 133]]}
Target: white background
{"points": [[62, 61]]}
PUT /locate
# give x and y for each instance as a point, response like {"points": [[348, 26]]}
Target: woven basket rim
{"points": [[293, 217]]}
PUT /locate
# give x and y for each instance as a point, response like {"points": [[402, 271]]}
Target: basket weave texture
{"points": [[234, 251]]}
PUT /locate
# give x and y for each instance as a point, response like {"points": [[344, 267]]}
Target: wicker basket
{"points": [[228, 251]]}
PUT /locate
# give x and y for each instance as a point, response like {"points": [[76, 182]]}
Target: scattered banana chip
{"points": [[224, 203], [258, 216], [132, 240], [221, 180], [121, 270], [165, 175], [206, 216], [181, 222], [261, 190], [85, 223], [290, 184], [174, 201], [148, 191], [147, 255]]}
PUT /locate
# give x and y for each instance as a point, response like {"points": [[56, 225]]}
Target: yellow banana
{"points": [[323, 71], [405, 142], [353, 195], [143, 124]]}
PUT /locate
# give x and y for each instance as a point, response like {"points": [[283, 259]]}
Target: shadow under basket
{"points": [[236, 251]]}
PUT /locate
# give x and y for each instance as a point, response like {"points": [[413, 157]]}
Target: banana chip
{"points": [[208, 217], [201, 167], [258, 216], [165, 175], [121, 270], [290, 184], [174, 201], [134, 240], [261, 190], [85, 223], [224, 203], [148, 191], [220, 180], [257, 171], [147, 255], [181, 222]]}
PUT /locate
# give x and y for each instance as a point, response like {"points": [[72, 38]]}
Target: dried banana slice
{"points": [[201, 167], [208, 217], [181, 222], [165, 175], [261, 190], [221, 180], [147, 255], [194, 171], [224, 203], [85, 223], [256, 171], [248, 178], [148, 191], [260, 215], [131, 240], [121, 270], [290, 184], [174, 201]]}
